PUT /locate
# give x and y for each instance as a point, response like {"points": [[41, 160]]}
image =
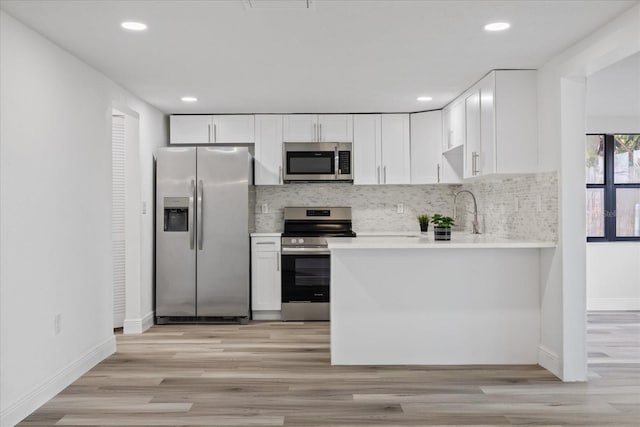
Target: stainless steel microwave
{"points": [[318, 161]]}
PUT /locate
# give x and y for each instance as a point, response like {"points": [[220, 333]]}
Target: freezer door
{"points": [[175, 232], [223, 233]]}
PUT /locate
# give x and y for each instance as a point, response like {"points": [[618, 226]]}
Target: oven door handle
{"points": [[302, 251]]}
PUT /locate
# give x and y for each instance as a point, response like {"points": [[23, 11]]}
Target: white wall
{"points": [[55, 257], [613, 276], [561, 94]]}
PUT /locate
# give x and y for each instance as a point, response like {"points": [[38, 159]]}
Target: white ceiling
{"points": [[337, 56]]}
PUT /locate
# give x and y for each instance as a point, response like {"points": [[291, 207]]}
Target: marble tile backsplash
{"points": [[524, 206], [374, 207]]}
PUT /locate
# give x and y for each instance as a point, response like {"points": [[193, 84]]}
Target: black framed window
{"points": [[613, 187]]}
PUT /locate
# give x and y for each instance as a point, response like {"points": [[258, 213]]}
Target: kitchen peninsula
{"points": [[398, 300]]}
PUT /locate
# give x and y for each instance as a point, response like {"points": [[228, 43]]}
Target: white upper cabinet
{"points": [[318, 128], [516, 122], [335, 128], [300, 128], [426, 147], [381, 149], [268, 149], [190, 129], [501, 124], [472, 138], [367, 148], [207, 129], [396, 150], [454, 124], [233, 128]]}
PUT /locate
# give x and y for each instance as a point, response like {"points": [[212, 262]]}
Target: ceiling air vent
{"points": [[279, 4]]}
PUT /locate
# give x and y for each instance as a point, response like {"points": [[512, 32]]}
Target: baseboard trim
{"points": [[266, 315], [138, 326], [613, 304], [549, 361], [56, 383]]}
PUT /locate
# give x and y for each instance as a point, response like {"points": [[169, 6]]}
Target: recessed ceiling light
{"points": [[189, 99], [497, 26], [424, 98], [134, 26]]}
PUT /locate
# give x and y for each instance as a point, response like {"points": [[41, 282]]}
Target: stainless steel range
{"points": [[306, 265]]}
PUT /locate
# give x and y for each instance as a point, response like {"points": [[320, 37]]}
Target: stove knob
{"points": [[300, 240], [294, 241]]}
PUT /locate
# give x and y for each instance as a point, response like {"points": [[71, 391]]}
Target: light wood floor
{"points": [[273, 374]]}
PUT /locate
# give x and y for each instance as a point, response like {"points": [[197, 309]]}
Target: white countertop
{"points": [[460, 240], [266, 234]]}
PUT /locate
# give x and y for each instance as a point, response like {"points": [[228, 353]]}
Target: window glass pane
{"points": [[627, 159], [594, 172], [628, 212], [595, 212]]}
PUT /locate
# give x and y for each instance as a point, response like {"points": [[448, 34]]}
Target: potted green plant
{"points": [[423, 220], [442, 226]]}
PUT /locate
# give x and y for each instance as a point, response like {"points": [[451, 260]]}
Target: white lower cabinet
{"points": [[265, 278]]}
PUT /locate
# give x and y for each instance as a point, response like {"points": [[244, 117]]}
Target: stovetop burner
{"points": [[316, 222]]}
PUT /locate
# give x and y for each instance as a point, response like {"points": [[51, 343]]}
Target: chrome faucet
{"points": [[474, 223]]}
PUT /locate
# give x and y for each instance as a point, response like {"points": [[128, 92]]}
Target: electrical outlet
{"points": [[264, 208], [57, 323], [400, 208], [144, 207]]}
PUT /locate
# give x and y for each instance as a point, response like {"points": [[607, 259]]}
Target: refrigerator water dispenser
{"points": [[176, 214]]}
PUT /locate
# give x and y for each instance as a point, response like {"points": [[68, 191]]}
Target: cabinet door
{"points": [[300, 128], [268, 149], [447, 128], [486, 161], [190, 129], [457, 126], [472, 137], [367, 140], [335, 128], [233, 129], [396, 160], [265, 275], [426, 147]]}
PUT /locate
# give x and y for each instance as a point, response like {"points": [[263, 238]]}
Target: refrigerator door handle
{"points": [[191, 216], [200, 208]]}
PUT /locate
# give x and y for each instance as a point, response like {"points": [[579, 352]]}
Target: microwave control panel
{"points": [[344, 162]]}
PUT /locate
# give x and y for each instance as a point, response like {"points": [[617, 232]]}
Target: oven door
{"points": [[305, 276]]}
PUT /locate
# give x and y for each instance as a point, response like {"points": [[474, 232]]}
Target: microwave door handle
{"points": [[337, 160], [200, 219]]}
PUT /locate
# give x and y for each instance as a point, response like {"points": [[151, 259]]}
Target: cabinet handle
{"points": [[378, 174], [320, 132], [265, 243], [474, 163], [209, 134], [385, 174], [215, 136], [438, 164], [315, 132], [279, 174], [278, 259]]}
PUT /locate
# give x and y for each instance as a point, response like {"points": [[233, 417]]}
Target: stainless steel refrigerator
{"points": [[202, 233]]}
